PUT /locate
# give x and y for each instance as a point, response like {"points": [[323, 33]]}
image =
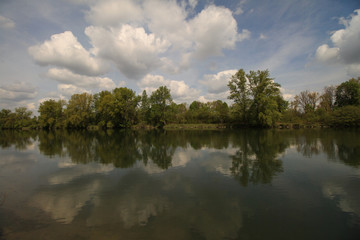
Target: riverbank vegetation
{"points": [[257, 102]]}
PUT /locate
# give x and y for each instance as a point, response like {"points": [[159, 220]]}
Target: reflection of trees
{"points": [[121, 148], [161, 150], [208, 138], [343, 146], [349, 148], [51, 143], [257, 161], [254, 162], [20, 139]]}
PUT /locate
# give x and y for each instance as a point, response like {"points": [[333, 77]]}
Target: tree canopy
{"points": [[256, 101]]}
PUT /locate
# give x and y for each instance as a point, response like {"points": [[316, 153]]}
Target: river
{"points": [[190, 184]]}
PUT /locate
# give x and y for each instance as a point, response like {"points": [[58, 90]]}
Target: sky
{"points": [[54, 49]]}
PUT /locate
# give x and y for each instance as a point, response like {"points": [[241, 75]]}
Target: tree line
{"points": [[257, 101]]}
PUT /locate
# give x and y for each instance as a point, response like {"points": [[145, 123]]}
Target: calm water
{"points": [[247, 184]]}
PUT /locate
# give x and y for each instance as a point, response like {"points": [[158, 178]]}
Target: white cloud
{"points": [[326, 54], [346, 44], [214, 29], [238, 11], [6, 23], [17, 91], [223, 96], [67, 77], [193, 3], [179, 90], [262, 36], [347, 39], [287, 94], [114, 12], [17, 94], [68, 90], [134, 52], [64, 50], [217, 83], [168, 20]]}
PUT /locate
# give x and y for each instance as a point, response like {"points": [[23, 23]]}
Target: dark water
{"points": [[247, 184]]}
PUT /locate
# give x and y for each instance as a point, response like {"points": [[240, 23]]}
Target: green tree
{"points": [[125, 107], [52, 114], [5, 118], [160, 101], [79, 112], [22, 117], [220, 111], [327, 99], [257, 97], [348, 93], [347, 116], [145, 107], [177, 113], [240, 94], [103, 103]]}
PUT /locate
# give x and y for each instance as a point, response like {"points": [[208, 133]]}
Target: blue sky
{"points": [[53, 49]]}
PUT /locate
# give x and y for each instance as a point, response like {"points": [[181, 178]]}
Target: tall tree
{"points": [[348, 93], [23, 117], [125, 104], [160, 101], [256, 96], [52, 114], [79, 112], [240, 93], [145, 107], [306, 101], [327, 99], [103, 103]]}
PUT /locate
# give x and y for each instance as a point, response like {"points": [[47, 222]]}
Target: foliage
{"points": [[79, 111], [124, 107], [348, 93], [257, 97], [52, 114], [348, 116], [257, 102], [160, 101], [21, 118]]}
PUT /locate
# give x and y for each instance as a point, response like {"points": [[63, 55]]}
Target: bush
{"points": [[348, 116]]}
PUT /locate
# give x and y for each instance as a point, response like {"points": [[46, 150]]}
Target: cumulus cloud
{"points": [[68, 90], [193, 3], [6, 23], [113, 12], [170, 31], [346, 45], [167, 19], [217, 83], [67, 77], [326, 54], [64, 50], [133, 51], [17, 91], [139, 37], [223, 96], [214, 29], [180, 91]]}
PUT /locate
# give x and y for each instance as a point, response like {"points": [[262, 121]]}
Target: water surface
{"points": [[243, 184]]}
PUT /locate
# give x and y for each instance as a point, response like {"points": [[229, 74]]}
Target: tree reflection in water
{"points": [[195, 200], [257, 161]]}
